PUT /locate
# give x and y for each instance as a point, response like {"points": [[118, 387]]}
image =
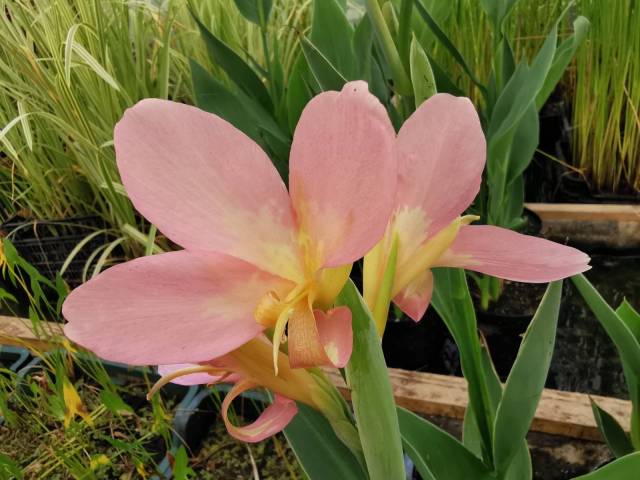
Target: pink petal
{"points": [[318, 338], [441, 155], [336, 336], [506, 254], [415, 297], [201, 378], [343, 173], [177, 307], [271, 421], [206, 185]]}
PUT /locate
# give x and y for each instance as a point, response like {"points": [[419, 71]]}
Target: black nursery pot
{"points": [[46, 244], [424, 346]]}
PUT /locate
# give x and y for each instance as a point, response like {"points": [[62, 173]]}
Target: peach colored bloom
{"points": [[441, 155], [255, 256]]}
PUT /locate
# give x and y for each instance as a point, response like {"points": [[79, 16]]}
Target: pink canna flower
{"points": [[255, 256], [441, 156], [249, 367]]}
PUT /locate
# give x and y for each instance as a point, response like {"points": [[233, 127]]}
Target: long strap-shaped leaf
{"points": [[526, 380], [320, 453], [436, 454], [371, 393], [625, 468]]}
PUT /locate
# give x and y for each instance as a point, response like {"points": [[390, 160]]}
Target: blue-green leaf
{"points": [[422, 79], [437, 454], [256, 11], [613, 434], [371, 393], [625, 468], [320, 453], [526, 380], [235, 67]]}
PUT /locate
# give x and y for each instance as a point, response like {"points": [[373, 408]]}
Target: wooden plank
{"points": [[590, 225], [560, 413], [585, 211]]}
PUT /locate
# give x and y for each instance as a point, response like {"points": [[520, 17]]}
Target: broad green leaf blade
{"points": [[564, 53], [526, 380], [497, 11], [371, 393], [325, 73], [256, 11], [452, 301], [623, 338], [298, 92], [424, 84], [320, 453], [625, 468], [613, 434], [520, 468], [437, 453], [447, 44], [630, 317], [235, 67], [241, 111], [332, 34]]}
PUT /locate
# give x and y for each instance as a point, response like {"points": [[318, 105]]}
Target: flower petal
{"points": [[319, 339], [271, 421], [336, 335], [178, 307], [506, 254], [201, 378], [343, 173], [206, 185], [415, 297], [441, 155]]}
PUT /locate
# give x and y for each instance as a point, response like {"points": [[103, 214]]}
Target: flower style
{"points": [[441, 156], [255, 256], [249, 367]]}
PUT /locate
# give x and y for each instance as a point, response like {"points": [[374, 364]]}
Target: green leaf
{"points": [[526, 380], [242, 112], [114, 403], [452, 301], [625, 468], [621, 335], [320, 453], [332, 35], [564, 53], [298, 91], [256, 11], [235, 67], [437, 454], [371, 393], [497, 11], [612, 433], [424, 84], [8, 468], [181, 469], [325, 73], [447, 44], [630, 317]]}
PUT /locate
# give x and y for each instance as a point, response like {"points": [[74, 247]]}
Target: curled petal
{"points": [[272, 420], [318, 338], [415, 297], [506, 254], [206, 185], [178, 307], [200, 378], [343, 174], [441, 155]]}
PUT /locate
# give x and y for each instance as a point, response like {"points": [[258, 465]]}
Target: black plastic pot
{"points": [[13, 357], [46, 244], [423, 346]]}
